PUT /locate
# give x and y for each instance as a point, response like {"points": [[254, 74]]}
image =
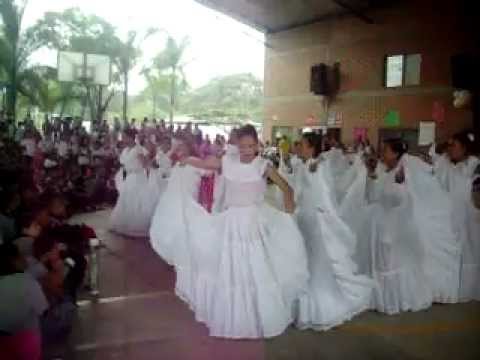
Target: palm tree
{"points": [[156, 90], [170, 62], [15, 49], [129, 54]]}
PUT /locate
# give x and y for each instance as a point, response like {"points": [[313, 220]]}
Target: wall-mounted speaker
{"points": [[325, 80], [465, 72], [319, 80]]}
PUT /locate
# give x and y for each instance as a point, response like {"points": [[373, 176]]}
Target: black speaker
{"points": [[319, 80], [465, 72], [334, 78]]}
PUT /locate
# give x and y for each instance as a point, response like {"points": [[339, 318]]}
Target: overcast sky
{"points": [[219, 45]]}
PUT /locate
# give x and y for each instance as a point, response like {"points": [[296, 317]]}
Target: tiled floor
{"points": [[139, 318]]}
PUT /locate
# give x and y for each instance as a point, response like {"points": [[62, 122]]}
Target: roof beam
{"points": [[358, 13]]}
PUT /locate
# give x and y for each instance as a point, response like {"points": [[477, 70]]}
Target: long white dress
{"points": [[159, 176], [137, 199], [168, 230], [335, 293], [406, 241], [457, 181], [241, 270]]}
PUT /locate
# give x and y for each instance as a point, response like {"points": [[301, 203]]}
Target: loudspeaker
{"points": [[334, 78], [465, 72], [319, 80]]}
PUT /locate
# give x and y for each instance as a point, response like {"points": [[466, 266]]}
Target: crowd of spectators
{"points": [[48, 174]]}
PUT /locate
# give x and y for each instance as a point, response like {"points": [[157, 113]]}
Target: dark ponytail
{"points": [[467, 139], [315, 141], [398, 146]]}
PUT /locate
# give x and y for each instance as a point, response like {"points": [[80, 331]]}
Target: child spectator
{"points": [[22, 304]]}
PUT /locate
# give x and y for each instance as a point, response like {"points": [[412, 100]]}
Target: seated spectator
{"points": [[22, 303], [9, 204], [30, 231]]}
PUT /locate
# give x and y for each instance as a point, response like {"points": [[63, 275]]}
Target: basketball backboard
{"points": [[86, 68]]}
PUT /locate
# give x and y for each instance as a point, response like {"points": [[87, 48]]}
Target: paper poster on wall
{"points": [[426, 133], [392, 118], [332, 118]]}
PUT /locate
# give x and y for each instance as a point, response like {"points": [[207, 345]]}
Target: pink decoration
{"points": [[438, 112], [360, 134]]}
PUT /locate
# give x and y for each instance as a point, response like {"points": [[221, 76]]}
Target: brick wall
{"points": [[431, 28]]}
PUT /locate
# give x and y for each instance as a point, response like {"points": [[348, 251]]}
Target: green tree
{"points": [[232, 98], [130, 52], [16, 47], [170, 62], [73, 30]]}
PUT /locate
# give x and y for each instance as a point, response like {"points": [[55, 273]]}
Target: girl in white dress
{"points": [[249, 267], [168, 231], [137, 200], [335, 293], [407, 244], [161, 165], [455, 171]]}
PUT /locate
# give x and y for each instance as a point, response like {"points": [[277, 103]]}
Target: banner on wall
{"points": [[360, 134]]}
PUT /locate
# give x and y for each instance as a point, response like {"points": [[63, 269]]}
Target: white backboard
{"points": [[70, 66], [99, 68], [79, 67]]}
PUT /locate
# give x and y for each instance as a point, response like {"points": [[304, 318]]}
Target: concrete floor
{"points": [[138, 317]]}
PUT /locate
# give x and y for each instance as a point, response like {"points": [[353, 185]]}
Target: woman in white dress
{"points": [[335, 293], [137, 200], [408, 245], [249, 262], [168, 231], [455, 171]]}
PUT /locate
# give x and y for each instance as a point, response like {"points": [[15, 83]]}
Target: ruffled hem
{"points": [[201, 295], [470, 283], [400, 291], [335, 321], [352, 298]]}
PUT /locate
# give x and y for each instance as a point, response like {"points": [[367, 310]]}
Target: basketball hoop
{"points": [[91, 69]]}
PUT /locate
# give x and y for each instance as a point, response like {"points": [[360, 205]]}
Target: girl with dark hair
{"points": [[456, 173], [406, 238], [335, 292], [138, 198], [231, 268], [168, 229]]}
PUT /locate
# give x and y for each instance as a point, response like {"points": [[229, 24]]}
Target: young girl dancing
{"points": [[249, 267]]}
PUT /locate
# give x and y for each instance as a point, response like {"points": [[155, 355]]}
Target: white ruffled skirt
{"points": [[240, 271], [395, 258], [138, 197], [336, 293]]}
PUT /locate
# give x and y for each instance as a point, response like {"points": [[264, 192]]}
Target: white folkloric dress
{"points": [[240, 270], [168, 231], [137, 199], [457, 179], [336, 292], [159, 176], [406, 239]]}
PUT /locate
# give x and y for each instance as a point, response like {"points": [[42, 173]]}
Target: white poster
{"points": [[426, 134]]}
